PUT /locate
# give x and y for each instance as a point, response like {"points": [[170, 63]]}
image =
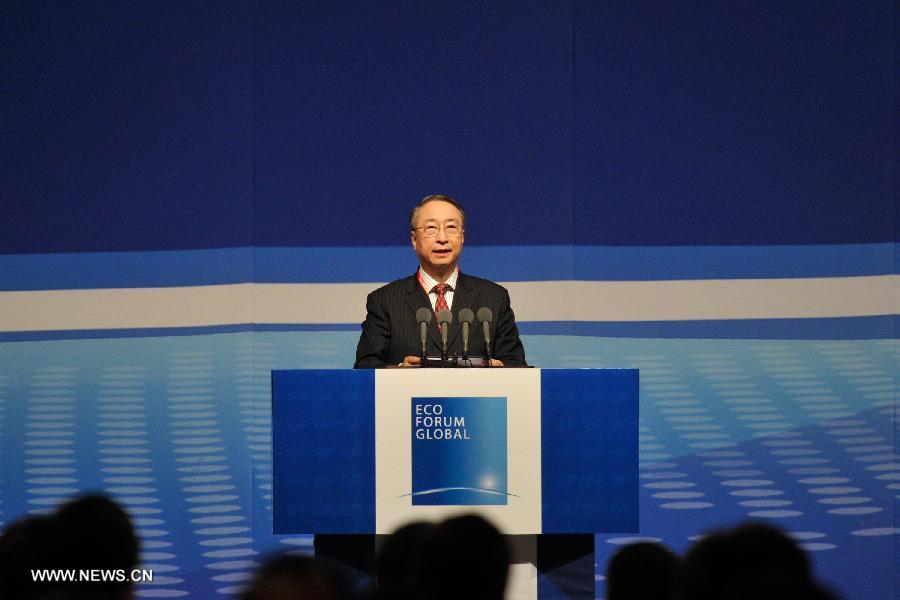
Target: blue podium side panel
{"points": [[589, 456], [323, 434]]}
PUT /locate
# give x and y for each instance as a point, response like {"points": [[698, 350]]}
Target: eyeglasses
{"points": [[432, 229]]}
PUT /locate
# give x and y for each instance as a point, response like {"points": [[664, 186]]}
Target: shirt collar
{"points": [[430, 281]]}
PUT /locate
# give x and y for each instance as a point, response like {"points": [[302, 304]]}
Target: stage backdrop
{"points": [[194, 194]]}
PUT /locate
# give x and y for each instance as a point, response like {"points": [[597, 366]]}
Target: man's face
{"points": [[440, 252]]}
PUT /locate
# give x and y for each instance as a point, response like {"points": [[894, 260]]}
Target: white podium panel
{"points": [[454, 441]]}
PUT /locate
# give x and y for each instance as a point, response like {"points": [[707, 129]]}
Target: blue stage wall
{"points": [[178, 125]]}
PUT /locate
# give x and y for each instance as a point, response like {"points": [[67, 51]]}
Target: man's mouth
{"points": [[441, 252]]}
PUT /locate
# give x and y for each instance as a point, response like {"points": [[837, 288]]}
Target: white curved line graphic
{"points": [[450, 489]]}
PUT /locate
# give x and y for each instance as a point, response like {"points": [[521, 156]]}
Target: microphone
{"points": [[485, 316], [466, 316], [423, 317], [445, 317]]}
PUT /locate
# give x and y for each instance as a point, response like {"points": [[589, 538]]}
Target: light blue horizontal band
{"points": [[845, 328], [842, 328], [382, 264]]}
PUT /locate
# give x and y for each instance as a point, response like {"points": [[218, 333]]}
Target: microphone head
{"points": [[466, 315], [485, 314], [423, 315], [445, 316]]}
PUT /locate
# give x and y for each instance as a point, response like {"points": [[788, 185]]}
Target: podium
{"points": [[535, 451]]}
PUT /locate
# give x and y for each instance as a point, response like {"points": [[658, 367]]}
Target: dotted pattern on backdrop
{"points": [[801, 434]]}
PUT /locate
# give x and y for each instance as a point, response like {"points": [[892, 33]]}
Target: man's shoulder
{"points": [[482, 284], [395, 287]]}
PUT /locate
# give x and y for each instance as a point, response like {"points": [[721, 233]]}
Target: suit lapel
{"points": [[416, 298]]}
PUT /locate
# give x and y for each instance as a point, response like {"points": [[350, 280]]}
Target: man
{"points": [[390, 333]]}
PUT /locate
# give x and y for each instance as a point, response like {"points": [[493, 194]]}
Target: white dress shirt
{"points": [[430, 282]]}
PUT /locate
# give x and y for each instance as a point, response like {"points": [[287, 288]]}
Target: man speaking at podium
{"points": [[390, 333]]}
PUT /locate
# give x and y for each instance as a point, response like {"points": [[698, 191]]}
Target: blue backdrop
{"points": [[196, 125]]}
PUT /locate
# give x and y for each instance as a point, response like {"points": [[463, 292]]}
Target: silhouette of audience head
{"points": [[87, 533], [25, 545], [463, 557], [95, 533], [750, 561], [398, 561], [290, 577], [641, 571]]}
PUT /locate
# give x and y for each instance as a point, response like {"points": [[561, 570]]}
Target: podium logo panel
{"points": [[459, 451]]}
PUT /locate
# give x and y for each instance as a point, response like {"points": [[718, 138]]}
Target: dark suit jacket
{"points": [[390, 331]]}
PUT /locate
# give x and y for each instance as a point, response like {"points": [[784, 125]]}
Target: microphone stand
{"points": [[465, 334], [466, 317], [486, 316], [445, 317], [423, 317]]}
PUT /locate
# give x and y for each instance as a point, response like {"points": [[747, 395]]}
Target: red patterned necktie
{"points": [[441, 304]]}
